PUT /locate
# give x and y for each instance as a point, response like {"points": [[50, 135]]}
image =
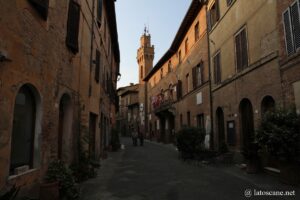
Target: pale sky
{"points": [[163, 18]]}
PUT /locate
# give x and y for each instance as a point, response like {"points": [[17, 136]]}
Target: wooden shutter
{"points": [[194, 74], [217, 68], [294, 13], [179, 89], [208, 18], [244, 49], [73, 26], [97, 70], [238, 53], [202, 73], [288, 32], [41, 6]]}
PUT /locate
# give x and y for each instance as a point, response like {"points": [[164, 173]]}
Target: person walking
{"points": [[141, 137], [134, 136]]}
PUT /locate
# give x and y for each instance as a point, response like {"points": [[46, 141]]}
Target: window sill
{"points": [[30, 171]]}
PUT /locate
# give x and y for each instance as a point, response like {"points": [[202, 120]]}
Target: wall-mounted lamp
{"points": [[3, 57]]}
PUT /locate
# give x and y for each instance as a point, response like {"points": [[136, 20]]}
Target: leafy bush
{"points": [[279, 132], [115, 140], [57, 171], [190, 142]]}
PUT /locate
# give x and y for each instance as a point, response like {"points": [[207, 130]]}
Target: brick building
{"points": [[178, 85], [246, 82], [289, 39], [128, 114], [59, 62]]}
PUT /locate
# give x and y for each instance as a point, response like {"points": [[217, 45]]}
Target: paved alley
{"points": [[155, 172]]}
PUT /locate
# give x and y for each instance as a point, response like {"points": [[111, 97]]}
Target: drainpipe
{"points": [[210, 87], [92, 48]]}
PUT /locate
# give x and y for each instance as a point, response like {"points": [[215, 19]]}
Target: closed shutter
{"points": [[179, 89], [41, 6], [73, 26], [97, 70], [288, 32], [217, 68], [194, 74], [238, 53], [244, 49], [201, 73], [294, 13], [208, 18]]}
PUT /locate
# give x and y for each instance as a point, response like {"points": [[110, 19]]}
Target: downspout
{"points": [[92, 49], [210, 86]]}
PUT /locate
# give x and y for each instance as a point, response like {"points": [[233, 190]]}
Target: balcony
{"points": [[163, 103]]}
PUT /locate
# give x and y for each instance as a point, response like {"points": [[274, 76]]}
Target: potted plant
{"points": [[250, 153], [60, 178], [279, 132]]}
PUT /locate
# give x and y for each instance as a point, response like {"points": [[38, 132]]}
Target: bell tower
{"points": [[145, 55]]}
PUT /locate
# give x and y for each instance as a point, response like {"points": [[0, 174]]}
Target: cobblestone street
{"points": [[155, 172]]}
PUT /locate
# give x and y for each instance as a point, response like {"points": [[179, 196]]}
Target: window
{"points": [[24, 135], [142, 72], [186, 46], [179, 57], [179, 89], [73, 26], [217, 68], [188, 118], [97, 69], [187, 83], [214, 14], [241, 50], [99, 12], [41, 6], [169, 66], [292, 28], [198, 75], [229, 2], [196, 31], [200, 121], [161, 73]]}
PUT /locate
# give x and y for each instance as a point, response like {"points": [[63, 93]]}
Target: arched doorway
{"points": [[267, 104], [26, 129], [220, 126], [65, 147], [247, 124]]}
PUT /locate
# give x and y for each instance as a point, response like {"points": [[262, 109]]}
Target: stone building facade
{"points": [[59, 62], [246, 79], [178, 85], [288, 13], [128, 113]]}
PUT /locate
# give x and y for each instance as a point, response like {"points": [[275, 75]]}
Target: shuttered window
{"points": [[41, 6], [99, 12], [97, 70], [73, 26], [179, 89], [217, 68], [198, 75], [291, 21], [241, 50], [214, 13]]}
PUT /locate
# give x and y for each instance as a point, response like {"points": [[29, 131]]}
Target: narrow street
{"points": [[155, 172]]}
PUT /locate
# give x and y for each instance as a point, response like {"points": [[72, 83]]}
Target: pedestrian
{"points": [[141, 137], [134, 136]]}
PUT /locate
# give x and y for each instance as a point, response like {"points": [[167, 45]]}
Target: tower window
{"points": [[142, 72]]}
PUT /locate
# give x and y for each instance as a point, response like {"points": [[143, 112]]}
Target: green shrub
{"points": [[57, 171], [279, 132], [190, 142]]}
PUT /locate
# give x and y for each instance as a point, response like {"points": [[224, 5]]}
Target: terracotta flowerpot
{"points": [[289, 173], [49, 191]]}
